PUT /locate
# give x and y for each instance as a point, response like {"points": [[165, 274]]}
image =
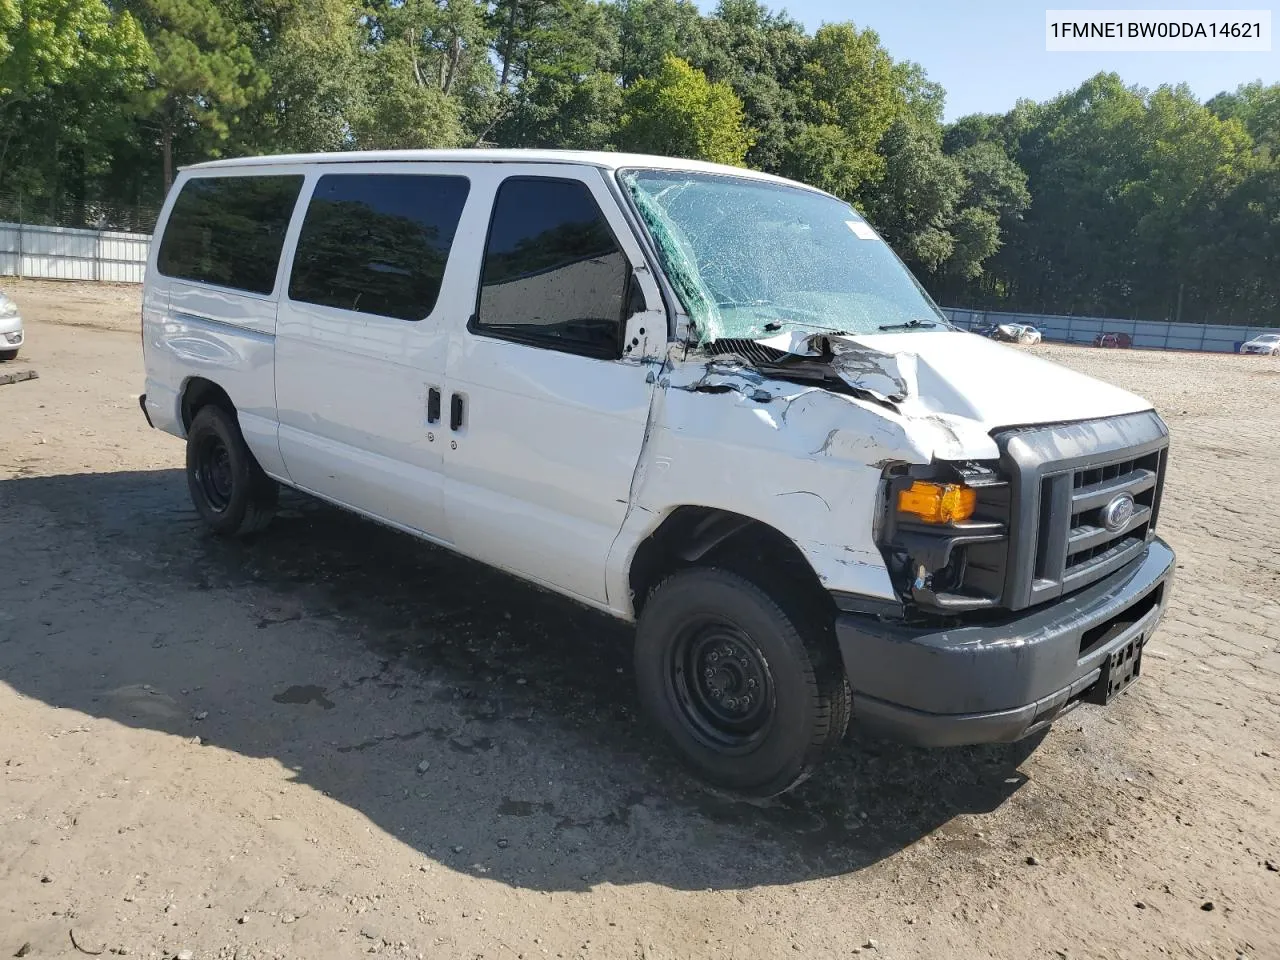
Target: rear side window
{"points": [[377, 243], [554, 275], [229, 231]]}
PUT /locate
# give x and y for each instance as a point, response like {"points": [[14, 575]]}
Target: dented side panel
{"points": [[802, 459]]}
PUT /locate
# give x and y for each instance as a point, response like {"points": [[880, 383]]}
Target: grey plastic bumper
{"points": [[1000, 682]]}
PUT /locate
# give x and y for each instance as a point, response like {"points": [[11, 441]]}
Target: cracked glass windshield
{"points": [[752, 260]]}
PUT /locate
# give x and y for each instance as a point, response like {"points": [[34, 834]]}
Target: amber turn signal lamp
{"points": [[937, 502]]}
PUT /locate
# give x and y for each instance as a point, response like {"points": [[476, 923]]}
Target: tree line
{"points": [[1107, 200]]}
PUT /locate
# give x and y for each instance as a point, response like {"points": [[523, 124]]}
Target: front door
{"points": [[548, 398]]}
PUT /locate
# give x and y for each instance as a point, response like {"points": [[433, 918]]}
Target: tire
{"points": [[707, 619], [230, 492], [8, 355]]}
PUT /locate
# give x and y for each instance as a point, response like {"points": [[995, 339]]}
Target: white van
{"points": [[700, 398]]}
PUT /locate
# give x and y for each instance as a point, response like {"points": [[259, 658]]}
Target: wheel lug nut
{"points": [[751, 684]]}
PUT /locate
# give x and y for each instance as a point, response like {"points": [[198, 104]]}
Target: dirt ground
{"points": [[335, 741]]}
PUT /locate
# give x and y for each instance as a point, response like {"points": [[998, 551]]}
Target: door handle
{"points": [[433, 405], [455, 411]]}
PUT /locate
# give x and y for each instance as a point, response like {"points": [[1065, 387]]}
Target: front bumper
{"points": [[1000, 682]]}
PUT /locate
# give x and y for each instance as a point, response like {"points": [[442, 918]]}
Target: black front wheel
{"points": [[751, 693], [230, 491]]}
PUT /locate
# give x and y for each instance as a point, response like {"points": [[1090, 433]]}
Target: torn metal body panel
{"points": [[803, 459]]}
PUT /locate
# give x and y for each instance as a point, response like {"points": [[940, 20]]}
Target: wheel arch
{"points": [[691, 535], [200, 392]]}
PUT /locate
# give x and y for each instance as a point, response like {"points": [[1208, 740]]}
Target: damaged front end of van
{"points": [[983, 521]]}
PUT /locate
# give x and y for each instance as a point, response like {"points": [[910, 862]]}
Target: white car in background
{"points": [[1267, 344], [10, 328], [1017, 333]]}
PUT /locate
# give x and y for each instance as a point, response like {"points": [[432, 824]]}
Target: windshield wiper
{"points": [[909, 325]]}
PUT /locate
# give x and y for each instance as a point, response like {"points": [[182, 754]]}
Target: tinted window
{"points": [[377, 243], [229, 231], [553, 273]]}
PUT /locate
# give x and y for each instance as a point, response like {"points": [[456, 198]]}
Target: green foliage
{"points": [[1257, 107], [404, 108], [311, 51], [848, 83], [915, 204], [67, 70], [202, 77], [558, 59], [1143, 204], [679, 112], [649, 30], [51, 43]]}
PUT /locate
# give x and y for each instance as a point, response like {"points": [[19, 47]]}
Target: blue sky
{"points": [[989, 53]]}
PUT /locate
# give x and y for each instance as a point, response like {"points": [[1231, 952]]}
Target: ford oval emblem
{"points": [[1117, 514]]}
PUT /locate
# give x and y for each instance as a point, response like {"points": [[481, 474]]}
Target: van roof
{"points": [[595, 158]]}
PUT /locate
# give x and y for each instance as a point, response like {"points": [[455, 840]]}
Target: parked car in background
{"points": [[986, 330], [1017, 333], [1114, 340], [1267, 344], [10, 328]]}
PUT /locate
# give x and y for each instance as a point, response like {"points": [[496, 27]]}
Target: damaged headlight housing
{"points": [[945, 535], [936, 503]]}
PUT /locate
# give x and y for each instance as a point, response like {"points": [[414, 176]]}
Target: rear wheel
{"points": [[230, 492], [751, 694]]}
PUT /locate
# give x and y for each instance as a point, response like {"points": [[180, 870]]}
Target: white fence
{"points": [[1146, 334], [60, 253]]}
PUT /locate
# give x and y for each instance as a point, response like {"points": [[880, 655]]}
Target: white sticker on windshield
{"points": [[861, 229]]}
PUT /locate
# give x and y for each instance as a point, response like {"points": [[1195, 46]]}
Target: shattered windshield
{"points": [[751, 259]]}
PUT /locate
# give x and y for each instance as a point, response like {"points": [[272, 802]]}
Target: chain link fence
{"points": [[73, 241], [38, 211]]}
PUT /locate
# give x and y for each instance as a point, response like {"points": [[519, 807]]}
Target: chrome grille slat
{"points": [[1113, 558], [1089, 536], [1098, 494]]}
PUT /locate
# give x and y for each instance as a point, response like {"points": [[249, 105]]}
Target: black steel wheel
{"points": [[721, 682], [230, 492], [748, 687], [213, 472]]}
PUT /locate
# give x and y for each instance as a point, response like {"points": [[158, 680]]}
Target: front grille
{"points": [[1089, 543], [1063, 478]]}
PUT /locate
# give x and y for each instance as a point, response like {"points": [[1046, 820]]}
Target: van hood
{"points": [[961, 376]]}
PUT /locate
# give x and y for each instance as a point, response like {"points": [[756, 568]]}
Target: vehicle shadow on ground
{"points": [[488, 724]]}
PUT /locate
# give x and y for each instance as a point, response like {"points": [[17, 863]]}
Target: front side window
{"points": [[553, 273], [751, 259], [229, 231], [377, 243]]}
